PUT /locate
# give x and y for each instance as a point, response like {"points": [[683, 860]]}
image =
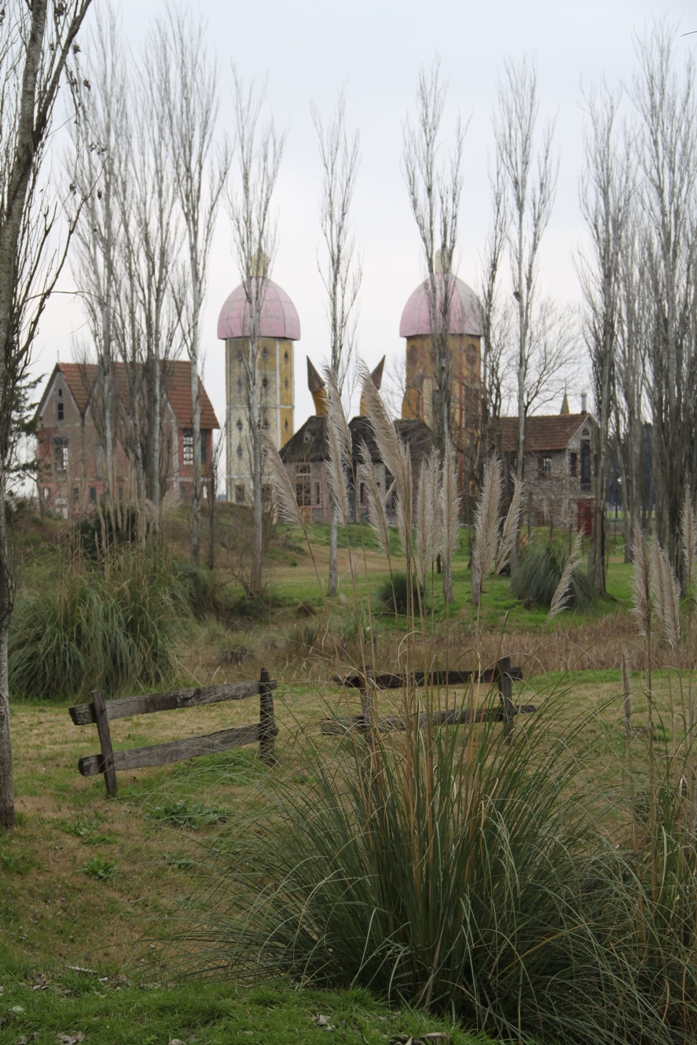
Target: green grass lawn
{"points": [[72, 1007]]}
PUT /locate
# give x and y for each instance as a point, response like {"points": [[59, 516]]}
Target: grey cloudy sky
{"points": [[309, 50]]}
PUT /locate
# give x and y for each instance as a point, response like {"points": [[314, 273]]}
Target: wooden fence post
{"points": [[267, 721], [505, 683], [100, 714]]}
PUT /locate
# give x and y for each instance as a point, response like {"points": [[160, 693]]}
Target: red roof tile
{"points": [[543, 432], [176, 375]]}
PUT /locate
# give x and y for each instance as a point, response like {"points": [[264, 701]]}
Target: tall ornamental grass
{"points": [[453, 871], [109, 625], [469, 870]]}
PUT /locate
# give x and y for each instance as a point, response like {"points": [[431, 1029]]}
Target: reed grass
{"points": [[109, 625]]}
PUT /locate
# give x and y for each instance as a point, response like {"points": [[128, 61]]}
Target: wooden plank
{"points": [[267, 722], [388, 680], [147, 703], [342, 724], [174, 751], [107, 755]]}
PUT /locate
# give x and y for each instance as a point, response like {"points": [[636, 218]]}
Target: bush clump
{"points": [[109, 626], [463, 874], [394, 591], [539, 572]]}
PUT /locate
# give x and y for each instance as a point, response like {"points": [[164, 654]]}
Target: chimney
{"points": [[583, 403]]}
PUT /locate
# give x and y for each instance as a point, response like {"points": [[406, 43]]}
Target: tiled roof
{"points": [[176, 377], [80, 378], [543, 432]]}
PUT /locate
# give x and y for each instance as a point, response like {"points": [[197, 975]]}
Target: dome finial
{"points": [[260, 264], [444, 259]]}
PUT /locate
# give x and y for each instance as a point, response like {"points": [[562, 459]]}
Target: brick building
{"points": [[559, 451], [71, 472]]}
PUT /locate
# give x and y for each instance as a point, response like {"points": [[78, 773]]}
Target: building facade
{"points": [[72, 473], [279, 328], [558, 470]]}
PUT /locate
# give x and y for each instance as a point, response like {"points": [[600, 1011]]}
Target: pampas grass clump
{"points": [[540, 570], [97, 627]]}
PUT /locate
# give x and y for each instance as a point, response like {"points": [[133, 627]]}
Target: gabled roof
{"points": [[310, 441], [542, 432], [176, 378]]}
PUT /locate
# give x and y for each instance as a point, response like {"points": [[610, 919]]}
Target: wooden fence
{"points": [[503, 674], [109, 762]]}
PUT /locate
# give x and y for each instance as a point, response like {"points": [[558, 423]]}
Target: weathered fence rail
{"points": [[502, 673], [100, 712]]}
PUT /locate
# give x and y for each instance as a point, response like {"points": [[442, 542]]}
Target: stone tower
{"points": [[464, 341], [279, 327]]}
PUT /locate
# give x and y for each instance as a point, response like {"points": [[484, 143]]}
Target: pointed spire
{"points": [[377, 381], [565, 405], [318, 390]]}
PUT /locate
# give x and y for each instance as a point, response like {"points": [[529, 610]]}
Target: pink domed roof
{"points": [[465, 310], [278, 315]]}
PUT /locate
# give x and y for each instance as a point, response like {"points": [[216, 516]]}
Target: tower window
{"points": [[286, 425], [264, 382], [264, 354], [239, 449], [239, 495], [286, 382], [285, 356], [239, 425]]}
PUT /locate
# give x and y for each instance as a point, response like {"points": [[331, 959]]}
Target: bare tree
{"points": [[605, 197], [530, 176], [191, 78], [156, 242], [630, 376], [341, 268], [553, 353], [36, 53], [495, 319], [258, 151], [666, 107], [434, 195], [94, 262]]}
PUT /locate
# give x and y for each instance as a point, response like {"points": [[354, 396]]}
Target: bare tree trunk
{"points": [[7, 808], [258, 151], [606, 192], [33, 57], [190, 77], [341, 271], [531, 197], [434, 196], [665, 100]]}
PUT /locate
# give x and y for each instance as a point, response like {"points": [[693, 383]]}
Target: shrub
{"points": [[393, 593], [539, 572], [204, 591], [96, 627], [457, 872]]}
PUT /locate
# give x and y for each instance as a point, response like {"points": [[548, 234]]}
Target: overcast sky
{"points": [[374, 48]]}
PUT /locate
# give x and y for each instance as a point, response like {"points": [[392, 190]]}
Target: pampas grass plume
{"points": [[641, 583], [510, 527], [486, 523], [286, 502], [449, 504], [563, 592], [377, 519]]}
